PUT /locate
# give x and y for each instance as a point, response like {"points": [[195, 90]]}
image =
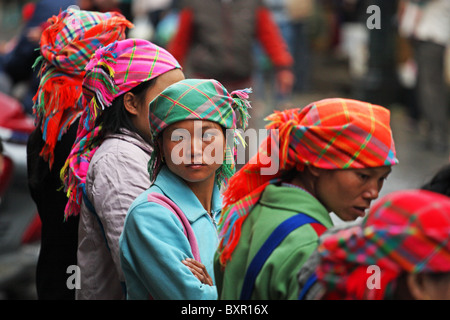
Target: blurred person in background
{"points": [[298, 13], [427, 24], [146, 17], [26, 14], [263, 69], [66, 45], [215, 40], [290, 16]]}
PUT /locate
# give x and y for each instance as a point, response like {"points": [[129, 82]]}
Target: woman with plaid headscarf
{"points": [[170, 237], [65, 47], [311, 289], [107, 167], [401, 250], [331, 156]]}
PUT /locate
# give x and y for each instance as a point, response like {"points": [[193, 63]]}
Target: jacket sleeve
{"points": [[270, 37], [152, 247], [181, 42], [117, 182]]}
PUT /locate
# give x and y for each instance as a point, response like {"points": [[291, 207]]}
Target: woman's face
{"points": [[349, 192], [141, 121], [193, 149]]}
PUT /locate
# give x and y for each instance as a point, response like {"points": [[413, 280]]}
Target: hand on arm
{"points": [[198, 270]]}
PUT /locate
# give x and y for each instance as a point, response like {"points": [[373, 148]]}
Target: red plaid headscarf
{"points": [[329, 134], [405, 231], [66, 46]]}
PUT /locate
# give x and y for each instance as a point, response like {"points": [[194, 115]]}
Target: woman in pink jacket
{"points": [[107, 167]]}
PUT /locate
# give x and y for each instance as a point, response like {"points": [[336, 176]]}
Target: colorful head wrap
{"points": [[330, 134], [111, 72], [405, 231], [199, 99], [66, 46]]}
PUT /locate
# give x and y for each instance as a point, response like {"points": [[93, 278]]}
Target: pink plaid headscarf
{"points": [[111, 72]]}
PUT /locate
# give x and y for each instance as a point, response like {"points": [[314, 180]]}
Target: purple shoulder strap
{"points": [[169, 204]]}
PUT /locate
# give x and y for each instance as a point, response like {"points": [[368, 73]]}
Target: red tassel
{"points": [[69, 91]]}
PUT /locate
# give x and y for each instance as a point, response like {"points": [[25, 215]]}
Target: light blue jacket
{"points": [[152, 244]]}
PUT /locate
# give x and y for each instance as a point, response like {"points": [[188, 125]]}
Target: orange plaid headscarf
{"points": [[329, 134]]}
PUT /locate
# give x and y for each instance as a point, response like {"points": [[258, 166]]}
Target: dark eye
{"points": [[363, 176]]}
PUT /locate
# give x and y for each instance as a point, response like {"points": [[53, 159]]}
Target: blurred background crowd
{"points": [[380, 51], [334, 47]]}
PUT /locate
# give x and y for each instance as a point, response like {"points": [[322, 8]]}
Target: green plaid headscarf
{"points": [[199, 99]]}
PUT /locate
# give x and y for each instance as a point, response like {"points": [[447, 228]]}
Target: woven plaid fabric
{"points": [[330, 134], [405, 231], [66, 46], [112, 71], [199, 99]]}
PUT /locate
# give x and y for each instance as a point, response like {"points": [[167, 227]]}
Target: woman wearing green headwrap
{"points": [[174, 221]]}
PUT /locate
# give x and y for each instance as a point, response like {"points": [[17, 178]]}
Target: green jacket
{"points": [[278, 276]]}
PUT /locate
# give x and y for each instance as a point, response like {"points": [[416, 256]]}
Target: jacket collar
{"points": [[131, 137], [177, 190], [284, 197]]}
